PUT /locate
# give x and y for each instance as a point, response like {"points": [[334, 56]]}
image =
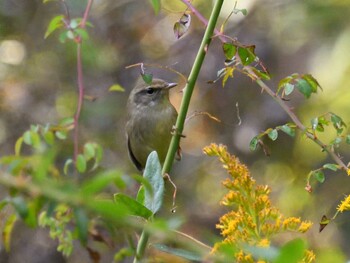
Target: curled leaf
{"points": [[182, 26]]}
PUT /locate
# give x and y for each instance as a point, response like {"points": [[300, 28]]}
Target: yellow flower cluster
{"points": [[253, 220], [344, 205]]}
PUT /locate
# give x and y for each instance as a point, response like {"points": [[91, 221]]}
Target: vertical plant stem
{"points": [[174, 144], [80, 100], [141, 246]]}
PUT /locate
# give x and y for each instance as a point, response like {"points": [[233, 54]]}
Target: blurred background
{"points": [[38, 85]]}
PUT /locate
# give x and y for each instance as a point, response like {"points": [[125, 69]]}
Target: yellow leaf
{"points": [[116, 87]]}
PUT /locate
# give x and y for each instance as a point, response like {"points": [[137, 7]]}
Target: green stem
{"points": [[141, 246], [174, 144]]}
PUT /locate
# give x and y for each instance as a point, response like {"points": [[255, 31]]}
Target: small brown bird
{"points": [[151, 118]]}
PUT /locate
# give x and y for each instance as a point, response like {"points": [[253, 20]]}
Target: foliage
{"points": [[253, 222], [74, 197]]}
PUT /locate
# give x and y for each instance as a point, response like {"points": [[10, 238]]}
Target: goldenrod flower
{"points": [[345, 204], [254, 220]]}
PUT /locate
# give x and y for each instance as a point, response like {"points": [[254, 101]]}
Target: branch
{"points": [[188, 90], [269, 91], [174, 144]]}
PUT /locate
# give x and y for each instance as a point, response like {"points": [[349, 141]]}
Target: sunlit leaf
{"points": [[18, 146], [262, 74], [228, 74], [229, 50], [254, 143], [156, 6], [304, 87], [141, 195], [312, 81], [62, 135], [288, 89], [55, 23], [246, 54], [182, 26], [49, 137], [273, 134], [153, 173], [7, 231], [68, 163], [80, 163], [331, 166], [338, 123], [291, 252], [89, 151], [288, 130], [314, 123], [134, 207], [116, 87], [319, 176]]}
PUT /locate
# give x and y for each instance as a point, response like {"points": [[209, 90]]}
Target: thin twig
{"points": [[269, 91], [158, 66]]}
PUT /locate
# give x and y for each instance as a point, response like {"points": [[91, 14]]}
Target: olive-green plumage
{"points": [[151, 118]]}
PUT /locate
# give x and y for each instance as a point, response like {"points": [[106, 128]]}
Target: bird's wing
{"points": [[133, 158]]}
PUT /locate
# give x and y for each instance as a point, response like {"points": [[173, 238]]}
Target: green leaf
{"points": [[273, 135], [66, 165], [49, 137], [81, 163], [156, 6], [288, 130], [18, 146], [7, 230], [338, 123], [99, 182], [283, 83], [82, 224], [147, 78], [347, 139], [262, 74], [62, 135], [319, 176], [55, 23], [140, 197], [20, 205], [134, 207], [331, 166], [254, 143], [312, 81], [229, 50], [288, 89], [116, 87], [246, 54], [228, 73], [292, 252], [153, 173], [304, 87], [89, 151], [189, 255], [182, 26], [314, 123], [82, 32]]}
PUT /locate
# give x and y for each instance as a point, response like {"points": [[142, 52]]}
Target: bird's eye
{"points": [[150, 90]]}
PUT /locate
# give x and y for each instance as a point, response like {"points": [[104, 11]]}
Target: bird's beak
{"points": [[171, 85]]}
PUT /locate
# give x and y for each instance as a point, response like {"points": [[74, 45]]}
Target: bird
{"points": [[150, 121]]}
